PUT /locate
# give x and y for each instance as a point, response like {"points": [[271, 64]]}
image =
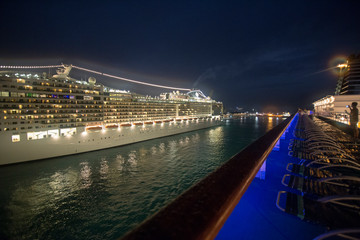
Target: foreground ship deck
{"points": [[310, 187], [43, 117]]}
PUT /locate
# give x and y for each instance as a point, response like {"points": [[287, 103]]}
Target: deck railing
{"points": [[201, 211]]}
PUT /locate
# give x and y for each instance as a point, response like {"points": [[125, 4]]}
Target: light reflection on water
{"points": [[103, 194]]}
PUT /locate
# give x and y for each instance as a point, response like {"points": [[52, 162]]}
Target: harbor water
{"points": [[104, 194]]}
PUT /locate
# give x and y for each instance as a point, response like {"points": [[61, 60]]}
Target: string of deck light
{"points": [[130, 80], [99, 73], [26, 67]]}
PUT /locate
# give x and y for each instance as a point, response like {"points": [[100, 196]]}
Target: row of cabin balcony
{"points": [[51, 83], [38, 113], [50, 117], [351, 73], [127, 104], [52, 121], [52, 104], [112, 108], [112, 111], [132, 120], [47, 94], [16, 112], [14, 108], [147, 113], [13, 96], [115, 120], [133, 112], [66, 85], [352, 77], [50, 89], [351, 87], [194, 111], [132, 103], [24, 111], [351, 83], [125, 116], [134, 116], [47, 97], [144, 110], [138, 116], [124, 120], [47, 106]]}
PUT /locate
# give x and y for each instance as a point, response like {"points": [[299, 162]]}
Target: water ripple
{"points": [[104, 194]]}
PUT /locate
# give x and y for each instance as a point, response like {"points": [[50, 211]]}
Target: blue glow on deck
{"points": [[256, 215]]}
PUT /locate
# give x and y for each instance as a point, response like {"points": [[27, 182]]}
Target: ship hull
{"points": [[85, 141]]}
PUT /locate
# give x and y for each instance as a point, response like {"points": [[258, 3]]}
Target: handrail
{"points": [[340, 232], [284, 178], [278, 201], [202, 210], [288, 167]]}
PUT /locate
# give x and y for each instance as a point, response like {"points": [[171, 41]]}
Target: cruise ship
{"points": [[46, 116]]}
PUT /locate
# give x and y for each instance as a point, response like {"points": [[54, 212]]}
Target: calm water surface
{"points": [[104, 194]]}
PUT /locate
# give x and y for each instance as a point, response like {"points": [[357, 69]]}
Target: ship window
{"points": [[88, 98], [36, 135], [15, 138], [4, 94], [67, 131]]}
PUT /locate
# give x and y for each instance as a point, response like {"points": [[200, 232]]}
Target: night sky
{"points": [[266, 55]]}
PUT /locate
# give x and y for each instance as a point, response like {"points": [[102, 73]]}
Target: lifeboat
{"points": [[125, 125], [178, 120], [112, 126], [138, 123], [167, 120], [149, 122], [190, 119], [94, 128], [158, 121]]}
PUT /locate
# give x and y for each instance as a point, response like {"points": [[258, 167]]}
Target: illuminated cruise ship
{"points": [[48, 116]]}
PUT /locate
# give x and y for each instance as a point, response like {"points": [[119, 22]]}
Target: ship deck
{"points": [[256, 215], [323, 198]]}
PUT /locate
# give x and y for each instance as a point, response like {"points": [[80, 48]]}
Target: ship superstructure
{"points": [[37, 109], [349, 77], [347, 91]]}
